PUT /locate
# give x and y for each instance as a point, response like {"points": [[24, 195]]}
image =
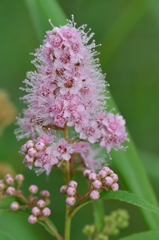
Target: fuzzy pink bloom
{"points": [[9, 180], [108, 181], [97, 184], [92, 176]]}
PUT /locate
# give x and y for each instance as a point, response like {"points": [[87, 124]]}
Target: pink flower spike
{"points": [[14, 206], [32, 219], [71, 191], [46, 211], [33, 189], [94, 195], [70, 201], [41, 203], [63, 189], [10, 191], [115, 187], [97, 184], [73, 184], [35, 211]]}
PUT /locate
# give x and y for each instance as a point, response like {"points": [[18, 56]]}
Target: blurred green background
{"points": [[129, 33]]}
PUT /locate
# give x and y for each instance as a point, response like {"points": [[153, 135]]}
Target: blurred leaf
{"points": [[130, 16], [98, 215], [41, 11], [5, 236], [150, 235], [127, 163], [125, 197], [151, 164]]}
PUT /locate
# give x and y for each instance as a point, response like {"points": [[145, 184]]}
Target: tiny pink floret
{"points": [[14, 206], [71, 191], [63, 189], [10, 190], [41, 203], [70, 201], [73, 184], [35, 211], [115, 187], [97, 184]]}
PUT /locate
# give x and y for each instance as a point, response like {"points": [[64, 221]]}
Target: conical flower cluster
{"points": [[68, 89]]}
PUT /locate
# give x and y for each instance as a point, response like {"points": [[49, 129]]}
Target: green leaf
{"points": [[98, 215], [117, 34], [5, 236], [125, 197], [150, 235], [41, 11]]}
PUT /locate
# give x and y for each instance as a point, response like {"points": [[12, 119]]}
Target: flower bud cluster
{"points": [[116, 220], [105, 179], [45, 153], [10, 186], [70, 192]]}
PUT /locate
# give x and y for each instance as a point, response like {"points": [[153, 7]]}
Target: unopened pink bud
{"points": [[86, 173], [28, 159], [2, 186], [10, 190], [94, 195], [33, 189], [46, 211], [70, 201], [45, 193], [63, 189], [19, 177], [40, 146], [9, 180], [41, 203], [107, 170], [73, 184], [24, 149], [32, 219], [71, 191], [29, 144], [114, 187], [14, 206], [92, 176], [102, 173], [114, 177], [108, 181], [97, 184], [35, 211], [32, 152]]}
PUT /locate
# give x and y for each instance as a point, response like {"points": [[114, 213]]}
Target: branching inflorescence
{"points": [[66, 114]]}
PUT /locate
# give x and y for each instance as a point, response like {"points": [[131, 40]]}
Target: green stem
{"points": [[67, 175], [53, 230]]}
